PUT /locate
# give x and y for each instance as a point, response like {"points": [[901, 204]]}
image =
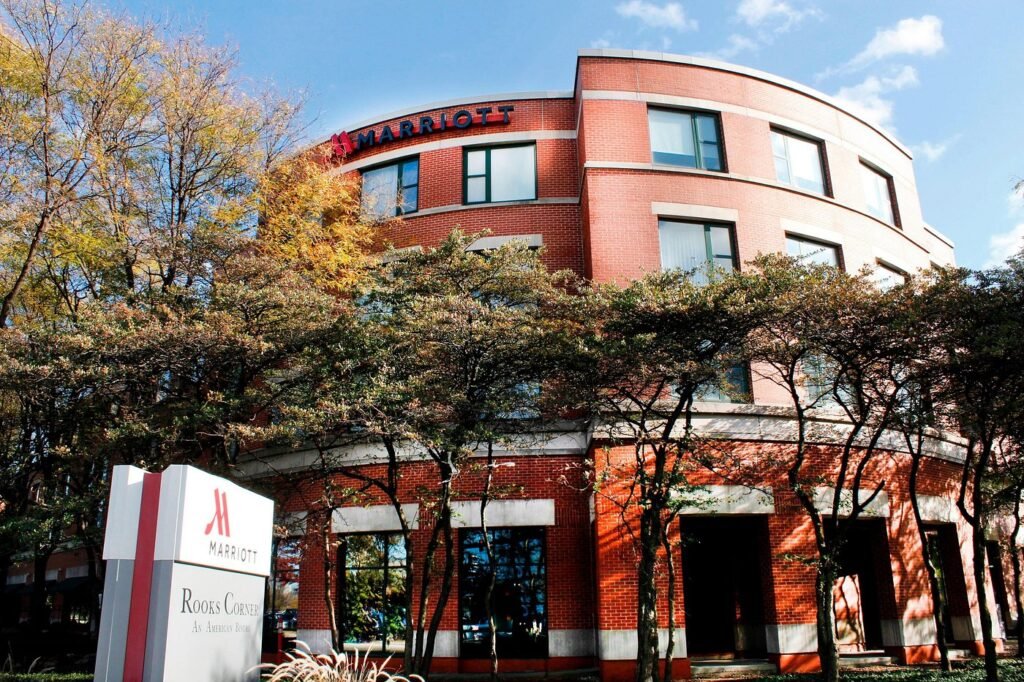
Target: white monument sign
{"points": [[187, 557]]}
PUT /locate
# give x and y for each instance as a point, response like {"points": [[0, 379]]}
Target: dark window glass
{"points": [[733, 387], [500, 174], [282, 612], [374, 605], [391, 190], [684, 138], [519, 601], [695, 247]]}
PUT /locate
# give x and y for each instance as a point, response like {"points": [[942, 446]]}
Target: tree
{"points": [[836, 346], [980, 393], [442, 359], [71, 97], [659, 345]]}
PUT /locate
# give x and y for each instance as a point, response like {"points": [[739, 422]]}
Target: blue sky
{"points": [[947, 76]]}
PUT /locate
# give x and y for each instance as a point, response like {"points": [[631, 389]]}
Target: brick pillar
{"points": [[910, 635], [314, 626], [790, 614], [615, 563]]}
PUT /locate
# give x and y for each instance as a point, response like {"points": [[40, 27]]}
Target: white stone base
{"points": [[791, 639], [621, 645]]}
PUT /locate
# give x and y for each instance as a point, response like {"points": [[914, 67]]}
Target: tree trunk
{"points": [[39, 612], [828, 652], [647, 597], [492, 627], [1018, 600], [980, 565], [329, 582], [671, 598], [933, 578], [8, 300]]}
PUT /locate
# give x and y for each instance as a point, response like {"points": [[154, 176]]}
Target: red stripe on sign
{"points": [[142, 580]]}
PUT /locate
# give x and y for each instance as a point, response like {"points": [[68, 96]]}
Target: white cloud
{"points": [[600, 43], [757, 12], [1005, 245], [670, 15], [736, 44], [921, 37], [933, 151], [865, 99]]}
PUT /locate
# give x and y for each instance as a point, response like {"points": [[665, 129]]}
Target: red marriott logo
{"points": [[342, 143], [220, 514]]}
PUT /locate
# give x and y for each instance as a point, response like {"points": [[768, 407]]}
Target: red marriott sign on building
{"points": [[343, 144]]}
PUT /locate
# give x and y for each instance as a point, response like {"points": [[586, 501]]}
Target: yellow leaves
{"points": [[309, 218]]}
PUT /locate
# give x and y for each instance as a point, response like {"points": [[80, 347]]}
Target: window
{"points": [[818, 381], [391, 190], [878, 193], [695, 247], [733, 387], [374, 605], [886, 277], [500, 174], [519, 599], [812, 252], [684, 138], [283, 587], [798, 161]]}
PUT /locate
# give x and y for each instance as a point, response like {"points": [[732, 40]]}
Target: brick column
{"points": [[790, 615]]}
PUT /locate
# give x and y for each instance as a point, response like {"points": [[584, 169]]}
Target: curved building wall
{"points": [[600, 195]]}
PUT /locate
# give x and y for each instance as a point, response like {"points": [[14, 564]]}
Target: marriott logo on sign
{"points": [[219, 548], [343, 144], [220, 514]]}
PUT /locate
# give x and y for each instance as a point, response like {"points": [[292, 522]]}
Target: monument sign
{"points": [[187, 558]]}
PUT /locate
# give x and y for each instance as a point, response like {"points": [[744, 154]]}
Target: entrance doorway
{"points": [[863, 587], [725, 564], [944, 553]]}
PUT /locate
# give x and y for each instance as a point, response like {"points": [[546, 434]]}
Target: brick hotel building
{"points": [[654, 161]]}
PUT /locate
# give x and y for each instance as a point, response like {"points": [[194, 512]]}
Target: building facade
{"points": [[652, 161]]}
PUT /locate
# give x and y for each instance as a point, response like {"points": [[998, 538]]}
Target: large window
{"points": [[695, 247], [500, 174], [878, 194], [886, 277], [374, 605], [283, 587], [812, 252], [733, 387], [685, 138], [798, 161], [519, 599], [391, 190]]}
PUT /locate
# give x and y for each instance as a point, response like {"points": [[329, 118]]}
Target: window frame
{"points": [[881, 265], [840, 260], [341, 581], [709, 250], [487, 149], [400, 163], [826, 179], [890, 191], [744, 368], [716, 116], [462, 592]]}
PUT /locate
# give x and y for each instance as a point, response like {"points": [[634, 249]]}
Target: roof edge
{"points": [[743, 71]]}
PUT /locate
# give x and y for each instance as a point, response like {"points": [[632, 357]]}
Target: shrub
{"points": [[305, 666]]}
